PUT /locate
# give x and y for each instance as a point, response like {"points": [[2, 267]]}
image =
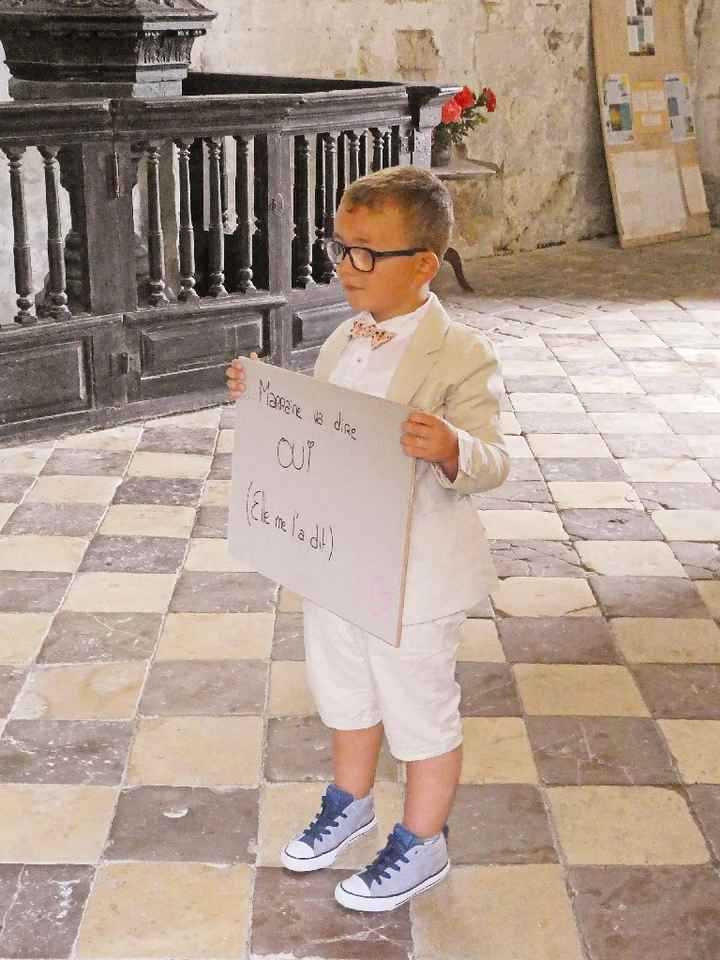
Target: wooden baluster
{"points": [[186, 235], [261, 200], [364, 153], [302, 247], [323, 268], [243, 212], [377, 148], [354, 156], [21, 245], [386, 148], [216, 246], [330, 148], [55, 243], [156, 241], [224, 195], [342, 168]]}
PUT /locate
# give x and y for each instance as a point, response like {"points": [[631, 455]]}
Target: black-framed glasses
{"points": [[363, 258]]}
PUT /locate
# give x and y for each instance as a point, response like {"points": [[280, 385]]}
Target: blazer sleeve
{"points": [[472, 407]]}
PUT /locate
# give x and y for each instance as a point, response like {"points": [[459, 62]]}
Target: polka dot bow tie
{"points": [[372, 330]]}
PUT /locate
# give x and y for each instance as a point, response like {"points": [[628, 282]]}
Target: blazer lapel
{"points": [[420, 356], [334, 346]]}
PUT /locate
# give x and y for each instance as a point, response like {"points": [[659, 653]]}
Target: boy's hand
{"points": [[235, 376], [430, 438]]}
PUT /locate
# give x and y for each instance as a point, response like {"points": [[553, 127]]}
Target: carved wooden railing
{"points": [[196, 232]]}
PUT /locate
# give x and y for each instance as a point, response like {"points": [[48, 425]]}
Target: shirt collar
{"points": [[407, 322]]}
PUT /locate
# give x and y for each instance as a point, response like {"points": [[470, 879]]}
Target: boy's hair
{"points": [[422, 198]]}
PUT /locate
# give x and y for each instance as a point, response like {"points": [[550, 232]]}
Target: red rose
{"points": [[466, 98], [451, 112], [490, 100]]}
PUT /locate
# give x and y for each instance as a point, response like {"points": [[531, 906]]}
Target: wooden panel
{"points": [[315, 324], [654, 174], [42, 380]]}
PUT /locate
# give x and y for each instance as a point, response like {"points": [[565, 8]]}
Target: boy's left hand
{"points": [[430, 438]]}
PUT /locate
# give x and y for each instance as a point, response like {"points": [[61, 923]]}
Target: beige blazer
{"points": [[452, 372]]}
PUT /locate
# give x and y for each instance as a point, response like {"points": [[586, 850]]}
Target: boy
{"points": [[391, 232]]}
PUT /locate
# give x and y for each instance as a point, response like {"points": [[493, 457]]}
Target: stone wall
{"points": [[537, 56]]}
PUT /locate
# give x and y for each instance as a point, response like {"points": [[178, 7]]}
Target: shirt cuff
{"points": [[465, 456]]}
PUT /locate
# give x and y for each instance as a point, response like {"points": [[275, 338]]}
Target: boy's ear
{"points": [[429, 265]]}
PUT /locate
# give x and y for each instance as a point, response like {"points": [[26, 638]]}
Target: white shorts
{"points": [[359, 681]]}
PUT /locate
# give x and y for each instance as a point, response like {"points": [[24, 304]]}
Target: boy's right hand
{"points": [[235, 376]]}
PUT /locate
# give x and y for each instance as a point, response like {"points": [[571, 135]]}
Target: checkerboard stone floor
{"points": [[158, 743]]}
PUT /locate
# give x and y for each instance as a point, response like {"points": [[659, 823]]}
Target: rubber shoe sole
{"points": [[374, 904], [307, 864]]}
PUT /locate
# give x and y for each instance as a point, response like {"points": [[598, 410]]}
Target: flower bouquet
{"points": [[459, 116]]}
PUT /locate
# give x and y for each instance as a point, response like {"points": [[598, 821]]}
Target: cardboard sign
{"points": [[322, 494]]}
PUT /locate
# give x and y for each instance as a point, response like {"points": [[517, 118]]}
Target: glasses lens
{"points": [[334, 250], [362, 259]]}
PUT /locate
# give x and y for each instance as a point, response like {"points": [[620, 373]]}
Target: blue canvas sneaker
{"points": [[342, 819], [407, 866]]}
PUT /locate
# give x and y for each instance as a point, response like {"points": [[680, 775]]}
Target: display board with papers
{"points": [[647, 118]]}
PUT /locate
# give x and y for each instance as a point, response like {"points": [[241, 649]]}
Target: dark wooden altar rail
{"points": [[356, 130]]}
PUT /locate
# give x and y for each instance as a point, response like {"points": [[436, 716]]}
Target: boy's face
{"points": [[397, 285]]}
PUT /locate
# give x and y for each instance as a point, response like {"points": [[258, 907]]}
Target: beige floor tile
{"points": [[619, 385], [545, 597], [146, 463], [207, 419], [117, 438], [474, 916], [625, 825], [121, 592], [479, 642], [197, 751], [610, 494], [699, 355], [213, 554], [21, 635], [568, 689], [518, 449], [658, 368], [509, 423], [226, 441], [189, 910], [106, 691], [631, 558], [46, 554], [290, 695], [532, 368], [6, 509], [700, 446], [710, 593], [286, 809], [685, 403], [289, 602], [216, 636], [522, 525], [216, 494], [558, 445], [695, 744], [631, 340], [147, 520], [27, 461], [50, 823], [664, 470], [694, 525], [667, 640], [626, 423], [73, 490], [496, 750], [546, 402]]}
